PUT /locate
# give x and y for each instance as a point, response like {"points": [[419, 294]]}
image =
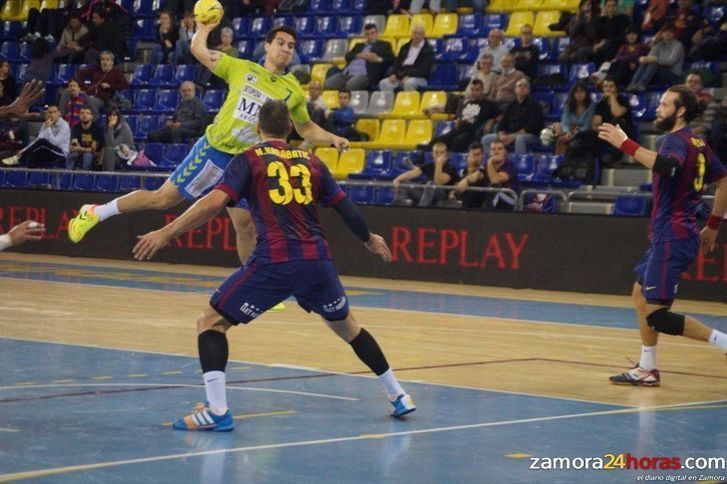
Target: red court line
{"points": [[583, 363]]}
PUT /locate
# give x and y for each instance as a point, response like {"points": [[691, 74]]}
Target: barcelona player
{"points": [[682, 168], [283, 186]]}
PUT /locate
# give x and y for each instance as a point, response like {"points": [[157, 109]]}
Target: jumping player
{"points": [[681, 169], [283, 187]]}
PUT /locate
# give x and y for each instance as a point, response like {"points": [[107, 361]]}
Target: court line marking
{"points": [[168, 385], [7, 429], [360, 437]]}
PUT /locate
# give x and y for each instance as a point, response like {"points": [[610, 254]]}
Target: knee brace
{"points": [[667, 322]]}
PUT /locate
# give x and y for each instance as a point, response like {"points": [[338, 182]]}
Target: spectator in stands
{"points": [[610, 31], [718, 136], [475, 114], [179, 7], [700, 125], [498, 172], [414, 64], [118, 141], [663, 65], [577, 116], [114, 13], [182, 49], [527, 54], [366, 63], [69, 48], [687, 21], [167, 35], [50, 147], [13, 135], [709, 41], [615, 109], [439, 172], [43, 23], [342, 118], [188, 121], [87, 142], [485, 74], [72, 100], [655, 14], [7, 79], [41, 61], [103, 80], [625, 7], [102, 35], [496, 48], [521, 123], [581, 30], [315, 101], [504, 89], [469, 179], [624, 64]]}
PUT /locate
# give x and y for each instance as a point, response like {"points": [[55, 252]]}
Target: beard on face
{"points": [[666, 124]]}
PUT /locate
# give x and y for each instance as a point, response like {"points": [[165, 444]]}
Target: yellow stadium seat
{"points": [[517, 20], [498, 6], [418, 132], [406, 105], [331, 99], [529, 5], [351, 161], [431, 99], [392, 132], [397, 25], [425, 19], [25, 9], [562, 5], [368, 126], [329, 156], [355, 40], [49, 4], [540, 28], [11, 11], [318, 72], [444, 24], [392, 42]]}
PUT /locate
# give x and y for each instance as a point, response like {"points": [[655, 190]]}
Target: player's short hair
{"points": [[281, 28], [687, 99], [274, 119]]}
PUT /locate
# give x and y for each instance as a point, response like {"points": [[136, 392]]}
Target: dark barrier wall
{"points": [[559, 252]]}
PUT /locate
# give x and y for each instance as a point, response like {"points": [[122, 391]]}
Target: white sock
{"points": [[648, 357], [214, 384], [107, 210], [393, 388], [719, 339]]}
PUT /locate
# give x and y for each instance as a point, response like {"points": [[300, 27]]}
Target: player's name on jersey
{"points": [[288, 154]]}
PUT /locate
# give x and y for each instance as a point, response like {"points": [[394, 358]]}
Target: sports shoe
{"points": [[277, 308], [402, 405], [203, 419], [80, 225], [637, 376], [11, 160]]}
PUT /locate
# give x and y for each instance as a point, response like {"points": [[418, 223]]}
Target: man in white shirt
{"points": [[50, 147], [413, 65], [496, 48]]}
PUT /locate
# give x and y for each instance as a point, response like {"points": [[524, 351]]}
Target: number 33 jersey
{"points": [[677, 197], [250, 85], [283, 187]]}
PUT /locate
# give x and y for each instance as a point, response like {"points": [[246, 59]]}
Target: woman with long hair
{"points": [[577, 116], [119, 140]]}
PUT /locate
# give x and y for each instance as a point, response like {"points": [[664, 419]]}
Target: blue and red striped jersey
{"points": [[283, 186], [677, 199]]}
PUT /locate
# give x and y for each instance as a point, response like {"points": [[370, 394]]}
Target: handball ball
{"points": [[208, 11], [547, 136]]}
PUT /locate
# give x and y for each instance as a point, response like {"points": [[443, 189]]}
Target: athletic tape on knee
{"points": [[667, 322]]}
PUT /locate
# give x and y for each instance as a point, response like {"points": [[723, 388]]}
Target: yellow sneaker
{"points": [[80, 225], [277, 308]]}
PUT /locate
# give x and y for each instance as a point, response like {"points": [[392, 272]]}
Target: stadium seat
{"points": [[547, 102], [10, 29], [517, 20], [580, 72], [443, 127], [213, 99], [453, 50], [493, 21], [424, 19], [322, 6], [281, 21], [155, 152], [145, 100], [431, 99], [418, 132], [349, 25], [142, 74], [378, 20], [15, 179], [174, 154], [144, 29], [562, 5], [106, 183], [184, 73], [359, 102], [49, 4], [502, 6], [166, 101], [240, 27], [318, 72], [361, 194], [153, 182], [444, 24], [329, 156], [377, 166], [82, 182], [129, 183], [259, 26], [163, 75], [529, 5], [444, 78], [310, 50], [131, 121], [11, 11], [638, 105], [144, 8], [38, 179], [525, 166], [384, 196], [380, 102], [341, 5], [245, 47], [335, 50], [368, 126], [145, 124], [64, 181], [326, 26], [546, 51], [330, 98], [397, 26], [406, 106], [542, 20], [392, 132], [10, 51], [630, 206], [351, 161], [24, 51], [469, 24], [305, 26]]}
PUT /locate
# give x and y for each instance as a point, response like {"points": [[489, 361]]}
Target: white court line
{"points": [[5, 429], [178, 385], [283, 445]]}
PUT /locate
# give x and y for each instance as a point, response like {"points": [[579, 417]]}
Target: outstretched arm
{"points": [[310, 131], [207, 57], [202, 210], [28, 230], [357, 224], [614, 135]]}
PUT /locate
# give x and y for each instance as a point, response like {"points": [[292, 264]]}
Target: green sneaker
{"points": [[81, 224]]}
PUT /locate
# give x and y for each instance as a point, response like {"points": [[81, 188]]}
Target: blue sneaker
{"points": [[402, 405], [203, 419]]}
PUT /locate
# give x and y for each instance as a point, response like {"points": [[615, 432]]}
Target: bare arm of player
{"points": [[614, 135], [711, 230], [31, 92], [207, 57], [310, 131], [377, 245], [28, 230], [202, 210]]}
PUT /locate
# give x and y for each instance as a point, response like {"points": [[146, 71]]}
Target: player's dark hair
{"points": [[686, 99], [281, 28], [274, 119]]}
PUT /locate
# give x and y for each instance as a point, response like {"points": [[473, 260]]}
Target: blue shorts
{"points": [[201, 170], [661, 267], [255, 288]]}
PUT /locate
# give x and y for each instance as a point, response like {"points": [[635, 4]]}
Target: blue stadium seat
{"points": [[454, 49], [142, 75], [638, 106], [714, 14], [174, 154], [444, 78], [15, 179], [403, 161], [213, 99], [129, 183], [241, 27], [106, 183], [24, 52], [82, 182], [63, 73], [341, 6], [712, 67], [384, 196], [652, 102], [458, 160], [361, 194], [469, 24], [285, 20], [320, 6], [259, 26], [305, 26], [143, 29], [547, 102], [131, 121], [493, 21], [525, 166], [349, 25], [153, 183], [145, 124], [10, 30], [326, 26], [163, 76], [10, 51], [443, 127], [64, 181], [155, 152], [38, 179], [311, 50], [580, 72], [546, 166], [546, 49], [184, 73], [550, 70], [144, 8], [630, 206], [245, 47], [358, 6], [145, 100], [166, 100], [378, 165]]}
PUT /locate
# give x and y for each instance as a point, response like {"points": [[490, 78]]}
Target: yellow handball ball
{"points": [[208, 11]]}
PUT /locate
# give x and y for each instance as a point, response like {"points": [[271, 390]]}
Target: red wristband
{"points": [[629, 146], [713, 222]]}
